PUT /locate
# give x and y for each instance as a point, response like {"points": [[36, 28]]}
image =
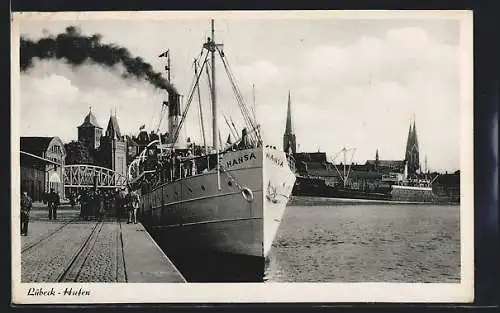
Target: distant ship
{"points": [[413, 190], [392, 186], [317, 187], [225, 200]]}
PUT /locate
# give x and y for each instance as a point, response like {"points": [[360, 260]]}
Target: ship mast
{"points": [[214, 100]]}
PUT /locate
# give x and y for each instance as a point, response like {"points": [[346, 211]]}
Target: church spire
{"points": [[289, 141], [415, 148], [408, 140], [412, 150], [289, 125], [414, 135]]}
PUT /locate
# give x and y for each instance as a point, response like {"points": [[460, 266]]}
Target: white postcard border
{"points": [[260, 292]]}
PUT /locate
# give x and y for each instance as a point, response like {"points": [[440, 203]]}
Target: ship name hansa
{"points": [[276, 160], [241, 159]]}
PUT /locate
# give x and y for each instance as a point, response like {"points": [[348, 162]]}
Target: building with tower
{"points": [[108, 150], [289, 140], [412, 157], [382, 166], [113, 148], [90, 133]]}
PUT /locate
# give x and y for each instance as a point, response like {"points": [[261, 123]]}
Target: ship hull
{"points": [[308, 187], [278, 181], [206, 222], [412, 194]]}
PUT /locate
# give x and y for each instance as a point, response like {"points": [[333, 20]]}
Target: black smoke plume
{"points": [[76, 48]]}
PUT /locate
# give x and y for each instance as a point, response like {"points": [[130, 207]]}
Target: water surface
{"points": [[367, 243]]}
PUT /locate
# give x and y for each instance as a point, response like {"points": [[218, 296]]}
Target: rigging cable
{"points": [[243, 107], [201, 110], [233, 131], [239, 94], [188, 103]]}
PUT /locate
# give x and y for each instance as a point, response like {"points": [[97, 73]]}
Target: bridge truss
{"points": [[87, 176]]}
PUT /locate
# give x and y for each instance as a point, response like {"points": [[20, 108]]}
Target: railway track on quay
{"points": [[90, 251], [74, 268], [46, 236], [100, 257]]}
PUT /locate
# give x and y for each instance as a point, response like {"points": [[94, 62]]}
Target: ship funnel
{"points": [[174, 115]]}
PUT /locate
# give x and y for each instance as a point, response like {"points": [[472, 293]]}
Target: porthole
{"points": [[202, 187]]}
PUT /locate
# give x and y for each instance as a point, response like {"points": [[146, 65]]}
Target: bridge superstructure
{"points": [[92, 176]]}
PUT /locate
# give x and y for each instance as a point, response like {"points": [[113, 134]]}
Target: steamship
{"points": [[218, 206]]}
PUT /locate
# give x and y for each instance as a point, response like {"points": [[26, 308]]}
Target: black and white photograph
{"points": [[319, 156]]}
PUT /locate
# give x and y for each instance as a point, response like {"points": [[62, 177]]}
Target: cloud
{"points": [[364, 94], [55, 98], [261, 72]]}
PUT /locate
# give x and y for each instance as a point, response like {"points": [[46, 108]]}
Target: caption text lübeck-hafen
{"points": [[44, 292]]}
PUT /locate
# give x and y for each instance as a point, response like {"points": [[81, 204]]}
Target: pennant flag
{"points": [[164, 54], [142, 127]]}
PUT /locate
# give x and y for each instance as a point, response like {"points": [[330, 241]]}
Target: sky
{"points": [[354, 83]]}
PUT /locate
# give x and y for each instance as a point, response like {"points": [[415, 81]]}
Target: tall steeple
{"points": [[289, 141], [408, 142], [415, 148], [414, 135], [412, 150], [289, 126]]}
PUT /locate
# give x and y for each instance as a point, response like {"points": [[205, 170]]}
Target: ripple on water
{"points": [[358, 243]]}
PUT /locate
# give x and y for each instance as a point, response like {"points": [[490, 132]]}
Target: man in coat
{"points": [[133, 202], [53, 201], [26, 204]]}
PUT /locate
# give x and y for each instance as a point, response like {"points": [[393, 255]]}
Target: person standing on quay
{"points": [[53, 202], [121, 203], [84, 204], [26, 204], [133, 206]]}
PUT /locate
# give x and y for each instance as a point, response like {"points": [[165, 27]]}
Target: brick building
{"points": [[89, 132], [109, 150], [113, 148]]}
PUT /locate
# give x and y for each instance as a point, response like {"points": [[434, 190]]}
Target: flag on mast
{"points": [[164, 54]]}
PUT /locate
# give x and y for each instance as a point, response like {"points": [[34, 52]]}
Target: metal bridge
{"points": [[84, 176]]}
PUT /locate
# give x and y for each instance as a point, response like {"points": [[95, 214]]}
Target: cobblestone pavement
{"points": [[37, 230], [47, 261], [92, 251], [105, 261]]}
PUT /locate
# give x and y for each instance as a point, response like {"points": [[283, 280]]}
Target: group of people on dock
{"points": [[98, 203], [93, 203]]}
